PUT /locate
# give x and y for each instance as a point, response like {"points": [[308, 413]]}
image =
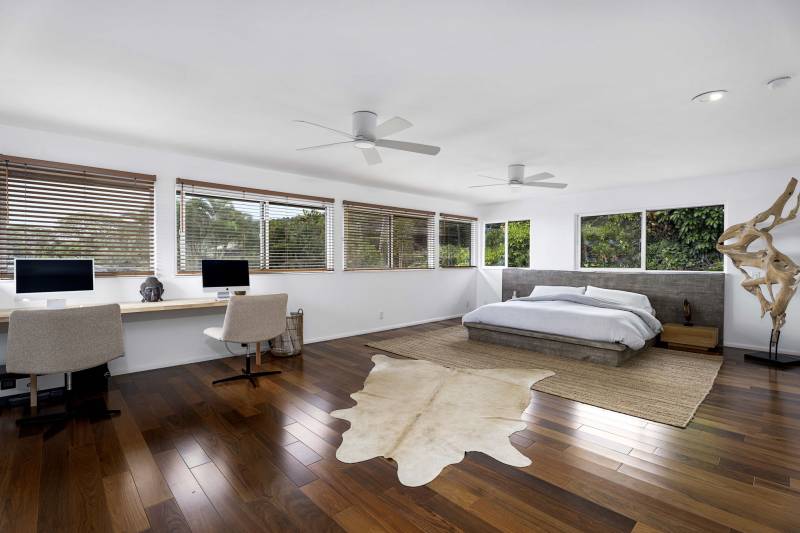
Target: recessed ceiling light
{"points": [[710, 96], [779, 83]]}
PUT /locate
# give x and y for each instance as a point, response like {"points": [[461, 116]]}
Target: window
{"points": [[511, 250], [611, 241], [519, 243], [274, 232], [387, 238], [456, 241], [60, 210], [685, 239], [682, 239], [494, 244]]}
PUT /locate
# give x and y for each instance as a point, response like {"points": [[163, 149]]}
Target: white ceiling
{"points": [[596, 92]]}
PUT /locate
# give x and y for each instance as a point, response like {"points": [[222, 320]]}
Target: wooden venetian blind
{"points": [[273, 231], [59, 210], [457, 237], [387, 238]]}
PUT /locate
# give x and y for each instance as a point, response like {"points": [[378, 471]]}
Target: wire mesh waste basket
{"points": [[290, 342]]}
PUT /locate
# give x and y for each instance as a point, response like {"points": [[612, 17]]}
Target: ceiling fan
{"points": [[517, 178], [367, 134]]}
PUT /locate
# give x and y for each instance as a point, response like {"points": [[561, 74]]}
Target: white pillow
{"points": [[631, 299], [549, 290]]}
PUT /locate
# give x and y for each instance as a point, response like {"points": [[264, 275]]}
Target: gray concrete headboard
{"points": [[666, 291]]}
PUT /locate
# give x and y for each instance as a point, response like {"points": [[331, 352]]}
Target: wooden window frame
{"points": [[264, 197], [60, 179], [391, 211]]}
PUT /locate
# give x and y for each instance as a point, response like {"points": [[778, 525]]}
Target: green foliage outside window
{"points": [[223, 228], [367, 244], [519, 244], [409, 242], [297, 238], [455, 243], [685, 239], [611, 241], [219, 228], [73, 235], [495, 244]]}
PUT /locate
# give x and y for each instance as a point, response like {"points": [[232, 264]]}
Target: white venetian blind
{"points": [[387, 238], [457, 237], [273, 231], [60, 210]]}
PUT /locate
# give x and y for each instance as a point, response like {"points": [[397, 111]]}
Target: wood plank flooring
{"points": [[186, 456]]}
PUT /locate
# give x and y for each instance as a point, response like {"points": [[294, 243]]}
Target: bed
{"points": [[582, 328]]}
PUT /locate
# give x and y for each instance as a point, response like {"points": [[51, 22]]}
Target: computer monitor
{"points": [[225, 275], [50, 278]]}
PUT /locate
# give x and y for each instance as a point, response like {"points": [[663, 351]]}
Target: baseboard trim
{"points": [[380, 328], [759, 348], [190, 360], [185, 361]]}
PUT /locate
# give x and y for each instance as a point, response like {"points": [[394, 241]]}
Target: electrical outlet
{"points": [[380, 315]]}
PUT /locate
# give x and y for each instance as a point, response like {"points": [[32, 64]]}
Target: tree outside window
{"points": [[682, 239], [611, 241], [519, 243], [495, 244]]}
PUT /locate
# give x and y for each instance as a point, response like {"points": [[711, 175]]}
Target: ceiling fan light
{"points": [[515, 185], [710, 96], [364, 144], [779, 83]]}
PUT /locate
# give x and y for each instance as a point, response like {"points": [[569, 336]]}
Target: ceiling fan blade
{"points": [[492, 185], [391, 126], [372, 156], [539, 177], [325, 128], [408, 147], [548, 185], [317, 147], [491, 178]]}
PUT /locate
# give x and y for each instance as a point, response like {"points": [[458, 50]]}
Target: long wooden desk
{"points": [[129, 308]]}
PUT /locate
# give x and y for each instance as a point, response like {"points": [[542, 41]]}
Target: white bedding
{"points": [[572, 315]]}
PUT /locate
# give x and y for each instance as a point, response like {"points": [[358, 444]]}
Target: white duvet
{"points": [[572, 315]]}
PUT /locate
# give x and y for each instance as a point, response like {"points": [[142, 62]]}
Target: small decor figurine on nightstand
{"points": [[687, 313], [151, 290]]}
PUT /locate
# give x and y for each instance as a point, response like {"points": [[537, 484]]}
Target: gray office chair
{"points": [[248, 320], [55, 341]]}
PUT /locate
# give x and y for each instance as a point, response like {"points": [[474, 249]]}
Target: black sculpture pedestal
{"points": [[772, 357]]}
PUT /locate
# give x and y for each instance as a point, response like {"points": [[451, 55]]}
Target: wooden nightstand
{"points": [[702, 339]]}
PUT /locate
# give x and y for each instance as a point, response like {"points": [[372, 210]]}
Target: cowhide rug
{"points": [[426, 416]]}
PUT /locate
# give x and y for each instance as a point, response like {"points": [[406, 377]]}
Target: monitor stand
{"points": [[56, 303], [223, 296]]}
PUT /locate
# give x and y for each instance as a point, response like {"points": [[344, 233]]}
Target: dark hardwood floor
{"points": [[186, 456]]}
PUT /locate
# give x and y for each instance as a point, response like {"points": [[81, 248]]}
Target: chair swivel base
{"points": [[247, 374], [83, 411]]}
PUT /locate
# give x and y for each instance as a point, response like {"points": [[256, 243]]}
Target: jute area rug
{"points": [[660, 385]]}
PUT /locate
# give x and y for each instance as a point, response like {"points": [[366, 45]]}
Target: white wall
{"points": [[336, 304], [345, 303], [554, 225]]}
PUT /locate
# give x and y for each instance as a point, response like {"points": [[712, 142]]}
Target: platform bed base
{"points": [[606, 353]]}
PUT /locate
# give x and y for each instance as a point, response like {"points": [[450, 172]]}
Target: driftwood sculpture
{"points": [[775, 269]]}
